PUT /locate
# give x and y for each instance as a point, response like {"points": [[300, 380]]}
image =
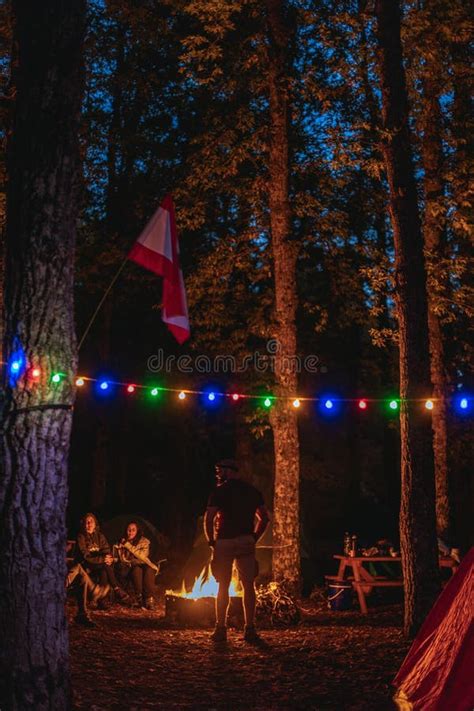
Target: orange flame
{"points": [[205, 585]]}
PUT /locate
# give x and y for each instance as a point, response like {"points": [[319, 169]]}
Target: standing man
{"points": [[235, 519]]}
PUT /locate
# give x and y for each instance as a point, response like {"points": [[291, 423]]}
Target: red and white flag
{"points": [[157, 249]]}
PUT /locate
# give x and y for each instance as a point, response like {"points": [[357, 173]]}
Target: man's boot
{"points": [[251, 635], [219, 634]]}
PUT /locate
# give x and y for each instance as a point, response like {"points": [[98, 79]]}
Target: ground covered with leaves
{"points": [[338, 661]]}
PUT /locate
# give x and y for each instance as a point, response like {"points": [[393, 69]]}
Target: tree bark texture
{"points": [[417, 512], [462, 127], [434, 231], [286, 534], [42, 208]]}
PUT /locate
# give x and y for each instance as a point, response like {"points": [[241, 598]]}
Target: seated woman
{"points": [[134, 563], [93, 553]]}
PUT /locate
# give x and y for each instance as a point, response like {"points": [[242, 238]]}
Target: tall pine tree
{"points": [[42, 210]]}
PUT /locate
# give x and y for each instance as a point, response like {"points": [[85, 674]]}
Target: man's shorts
{"points": [[242, 550]]}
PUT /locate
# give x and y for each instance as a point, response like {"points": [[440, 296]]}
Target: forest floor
{"points": [[333, 661]]}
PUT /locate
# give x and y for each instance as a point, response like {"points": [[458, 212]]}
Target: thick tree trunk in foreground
{"points": [[417, 514], [44, 171], [433, 231], [286, 523]]}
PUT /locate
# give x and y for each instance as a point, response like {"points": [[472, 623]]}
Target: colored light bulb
{"points": [[235, 397], [182, 395], [267, 402], [15, 366], [463, 403], [56, 378], [429, 404], [154, 392], [130, 388], [79, 382], [362, 404], [211, 397], [104, 385], [393, 404], [296, 402], [36, 373], [329, 404]]}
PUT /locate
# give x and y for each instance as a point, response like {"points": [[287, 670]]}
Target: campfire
{"points": [[196, 607]]}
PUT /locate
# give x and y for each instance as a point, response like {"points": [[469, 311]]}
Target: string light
{"points": [[328, 405], [16, 364], [463, 404]]}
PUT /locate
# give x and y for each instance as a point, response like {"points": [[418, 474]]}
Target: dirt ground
{"points": [[337, 661]]}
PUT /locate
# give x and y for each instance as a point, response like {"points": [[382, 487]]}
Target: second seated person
{"points": [[93, 553], [134, 564]]}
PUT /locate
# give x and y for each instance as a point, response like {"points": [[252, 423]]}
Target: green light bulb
{"points": [[267, 402], [393, 404], [56, 378], [154, 392]]}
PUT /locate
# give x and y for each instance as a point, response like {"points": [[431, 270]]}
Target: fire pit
{"points": [[196, 608]]}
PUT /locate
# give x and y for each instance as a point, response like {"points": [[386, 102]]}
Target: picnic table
{"points": [[363, 581]]}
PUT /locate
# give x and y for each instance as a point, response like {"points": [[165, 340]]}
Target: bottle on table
{"points": [[353, 548], [347, 543]]}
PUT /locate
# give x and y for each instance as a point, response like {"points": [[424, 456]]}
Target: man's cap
{"points": [[227, 464]]}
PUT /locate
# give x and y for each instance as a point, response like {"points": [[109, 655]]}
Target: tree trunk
{"points": [[286, 534], [417, 513], [434, 230], [42, 208], [462, 128]]}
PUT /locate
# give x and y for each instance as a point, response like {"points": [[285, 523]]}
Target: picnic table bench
{"points": [[363, 581]]}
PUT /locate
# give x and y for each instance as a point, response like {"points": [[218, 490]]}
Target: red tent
{"points": [[438, 671]]}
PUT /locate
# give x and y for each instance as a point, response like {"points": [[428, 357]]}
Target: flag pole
{"points": [[94, 315]]}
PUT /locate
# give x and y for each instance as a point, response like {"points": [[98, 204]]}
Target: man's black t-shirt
{"points": [[237, 502]]}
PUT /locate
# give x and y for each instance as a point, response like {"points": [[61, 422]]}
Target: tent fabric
{"points": [[114, 530], [437, 673]]}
